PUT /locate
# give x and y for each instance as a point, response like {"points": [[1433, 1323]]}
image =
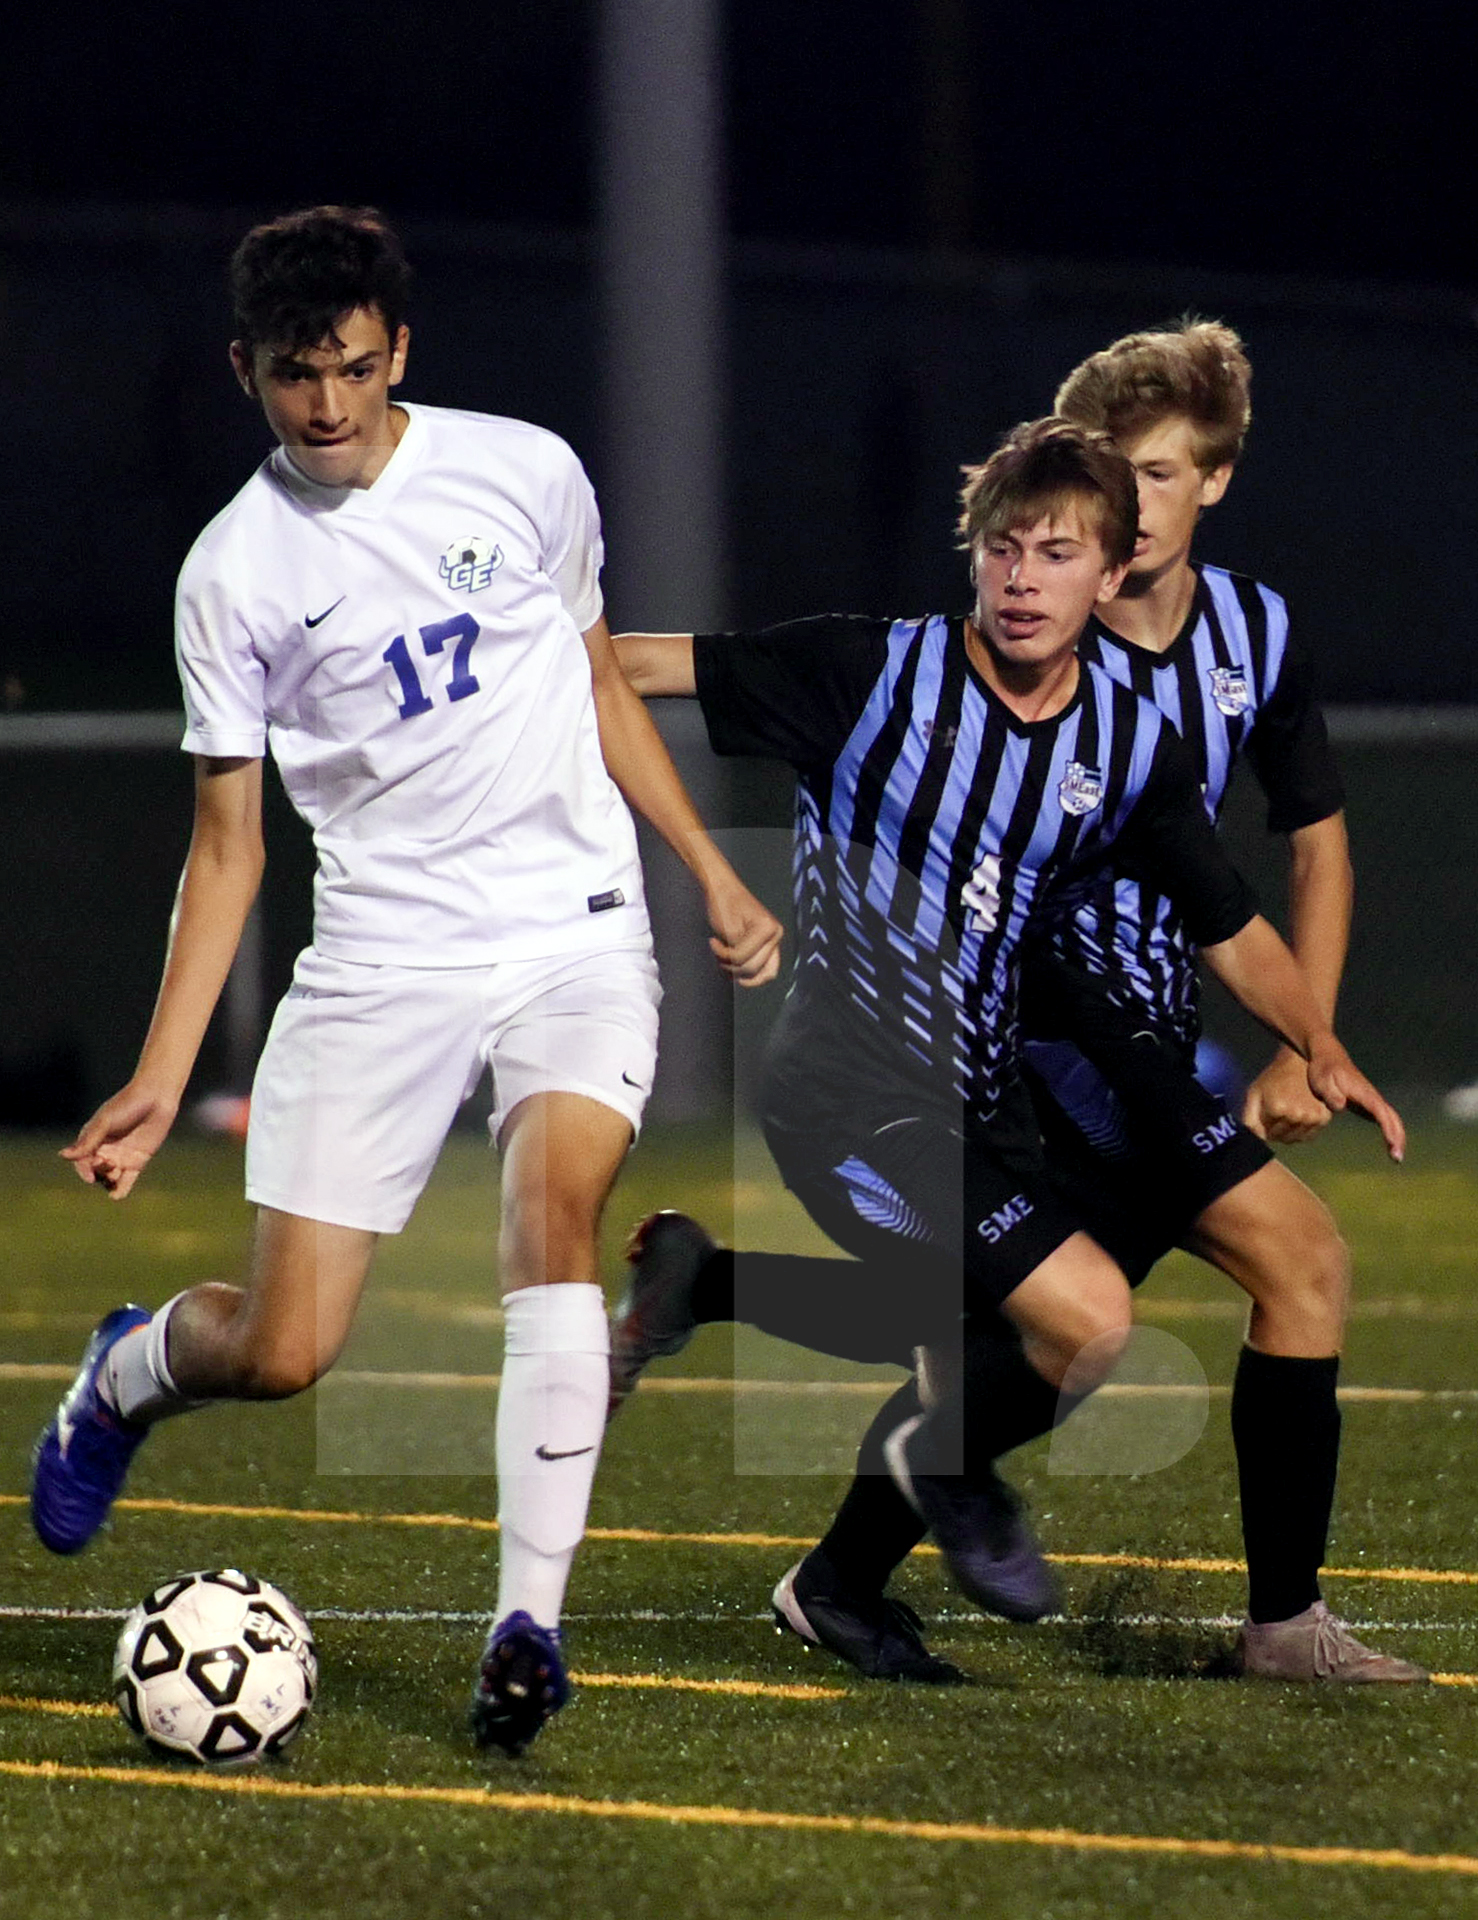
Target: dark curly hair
{"points": [[294, 277]]}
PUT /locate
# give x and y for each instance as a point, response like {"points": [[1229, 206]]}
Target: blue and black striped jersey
{"points": [[1231, 683], [932, 823]]}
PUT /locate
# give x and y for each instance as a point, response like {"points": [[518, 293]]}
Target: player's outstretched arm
{"points": [[1260, 971], [657, 663], [1280, 1103], [222, 873], [746, 935]]}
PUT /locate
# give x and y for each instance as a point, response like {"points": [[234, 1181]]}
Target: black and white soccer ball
{"points": [[217, 1666]]}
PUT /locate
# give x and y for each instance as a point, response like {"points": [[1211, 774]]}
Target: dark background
{"points": [[933, 209], [1308, 139]]}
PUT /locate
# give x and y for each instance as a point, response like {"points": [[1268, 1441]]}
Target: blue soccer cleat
{"points": [[979, 1529], [521, 1683], [82, 1457]]}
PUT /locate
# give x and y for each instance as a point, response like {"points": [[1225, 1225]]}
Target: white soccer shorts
{"points": [[365, 1067]]}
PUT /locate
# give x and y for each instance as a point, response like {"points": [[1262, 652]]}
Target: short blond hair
{"points": [[1040, 468], [1197, 370]]}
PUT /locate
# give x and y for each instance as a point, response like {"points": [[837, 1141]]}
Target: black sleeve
{"points": [[792, 692], [1169, 843], [1290, 752]]}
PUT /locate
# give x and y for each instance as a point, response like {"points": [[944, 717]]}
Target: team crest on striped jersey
{"points": [[1229, 690], [1081, 788]]}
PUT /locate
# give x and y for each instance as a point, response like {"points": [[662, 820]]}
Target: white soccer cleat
{"points": [[1317, 1645]]}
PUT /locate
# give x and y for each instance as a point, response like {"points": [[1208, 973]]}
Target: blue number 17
{"points": [[463, 629]]}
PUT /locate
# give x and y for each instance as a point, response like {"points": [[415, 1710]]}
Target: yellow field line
{"points": [[649, 1536], [745, 1689], [681, 1384], [672, 1682], [73, 1709], [485, 1799]]}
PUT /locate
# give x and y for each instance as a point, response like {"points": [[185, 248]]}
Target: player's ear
{"points": [[1113, 579], [399, 347], [241, 365], [1215, 484]]}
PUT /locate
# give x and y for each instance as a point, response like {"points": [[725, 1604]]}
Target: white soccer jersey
{"points": [[412, 653]]}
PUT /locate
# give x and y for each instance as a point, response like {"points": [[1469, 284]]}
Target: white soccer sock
{"points": [[551, 1421], [135, 1379]]}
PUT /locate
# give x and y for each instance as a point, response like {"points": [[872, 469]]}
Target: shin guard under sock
{"points": [[1285, 1426], [551, 1420], [875, 1528]]}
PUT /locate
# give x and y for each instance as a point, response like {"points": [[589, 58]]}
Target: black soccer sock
{"points": [[1285, 1426], [1002, 1403], [875, 1528], [846, 1308], [713, 1290]]}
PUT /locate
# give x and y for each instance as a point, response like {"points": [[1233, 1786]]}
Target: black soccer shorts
{"points": [[943, 1225], [1138, 1148]]}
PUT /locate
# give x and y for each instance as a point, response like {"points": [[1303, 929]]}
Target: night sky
{"points": [[1306, 138]]}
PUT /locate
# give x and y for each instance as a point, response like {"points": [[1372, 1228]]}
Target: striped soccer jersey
{"points": [[931, 823], [1230, 683]]}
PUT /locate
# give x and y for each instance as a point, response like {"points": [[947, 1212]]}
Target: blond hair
{"points": [[1197, 370]]}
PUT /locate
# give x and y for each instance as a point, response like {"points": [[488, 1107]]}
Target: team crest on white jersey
{"points": [[1229, 690], [1081, 788], [469, 564]]}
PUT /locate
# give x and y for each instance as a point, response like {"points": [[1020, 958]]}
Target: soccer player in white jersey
{"points": [[404, 602]]}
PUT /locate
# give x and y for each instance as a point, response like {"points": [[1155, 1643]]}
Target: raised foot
{"points": [[83, 1454], [978, 1526], [654, 1318]]}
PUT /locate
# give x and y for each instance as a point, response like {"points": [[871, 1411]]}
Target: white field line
{"points": [[45, 1370]]}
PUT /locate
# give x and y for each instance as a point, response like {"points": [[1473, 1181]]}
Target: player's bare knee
{"points": [[1088, 1333], [1302, 1271], [280, 1369], [1327, 1272]]}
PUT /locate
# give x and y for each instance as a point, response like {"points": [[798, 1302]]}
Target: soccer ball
{"points": [[217, 1666]]}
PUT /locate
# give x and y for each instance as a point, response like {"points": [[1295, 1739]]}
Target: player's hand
{"points": [[1280, 1103], [1339, 1083], [746, 935], [121, 1138]]}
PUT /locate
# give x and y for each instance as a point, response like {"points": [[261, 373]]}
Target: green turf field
{"points": [[1102, 1765]]}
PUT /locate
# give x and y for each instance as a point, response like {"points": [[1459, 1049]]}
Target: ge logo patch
{"points": [[469, 564]]}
